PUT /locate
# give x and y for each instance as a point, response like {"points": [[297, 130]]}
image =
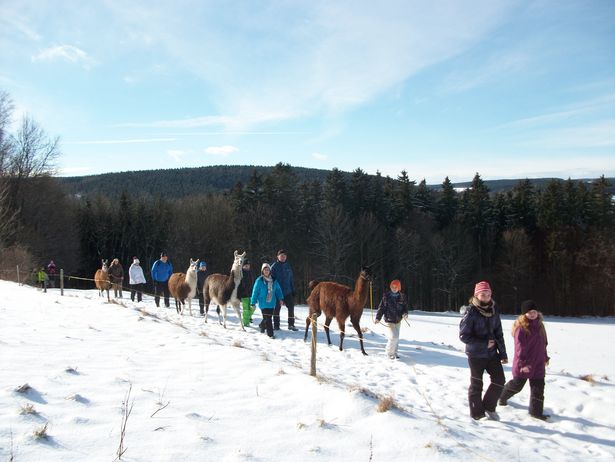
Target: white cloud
{"points": [[221, 150], [68, 53], [131, 141], [319, 156], [307, 58], [176, 154]]}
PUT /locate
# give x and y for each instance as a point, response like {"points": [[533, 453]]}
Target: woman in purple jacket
{"points": [[530, 359]]}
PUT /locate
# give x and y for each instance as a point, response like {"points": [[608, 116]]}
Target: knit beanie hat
{"points": [[265, 265], [528, 305], [395, 283], [202, 264], [482, 286], [135, 260]]}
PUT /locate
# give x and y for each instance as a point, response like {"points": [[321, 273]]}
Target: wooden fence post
{"points": [[61, 282], [314, 334]]}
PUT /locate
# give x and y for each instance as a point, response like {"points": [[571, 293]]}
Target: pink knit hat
{"points": [[482, 286]]}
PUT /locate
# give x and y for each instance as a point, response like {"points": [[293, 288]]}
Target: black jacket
{"points": [[200, 280], [392, 307], [475, 330], [245, 286]]}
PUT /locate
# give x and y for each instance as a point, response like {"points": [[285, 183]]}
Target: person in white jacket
{"points": [[137, 280]]}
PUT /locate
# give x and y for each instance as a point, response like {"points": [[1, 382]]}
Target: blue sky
{"points": [[509, 89]]}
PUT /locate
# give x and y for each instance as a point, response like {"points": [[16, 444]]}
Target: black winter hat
{"points": [[163, 254], [528, 305], [282, 251]]}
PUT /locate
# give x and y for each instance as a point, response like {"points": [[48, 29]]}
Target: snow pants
{"points": [[246, 311], [537, 393], [393, 339], [478, 403]]}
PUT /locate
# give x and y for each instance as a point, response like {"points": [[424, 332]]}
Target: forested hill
{"points": [[175, 183], [183, 182]]}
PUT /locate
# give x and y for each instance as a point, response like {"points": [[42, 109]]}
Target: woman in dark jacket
{"points": [[530, 359], [116, 276], [481, 330], [394, 308]]}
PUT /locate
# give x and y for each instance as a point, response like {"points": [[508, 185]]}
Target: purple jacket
{"points": [[530, 350]]}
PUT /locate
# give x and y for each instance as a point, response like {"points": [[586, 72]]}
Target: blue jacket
{"points": [[259, 294], [283, 273], [161, 271], [475, 330], [392, 307]]}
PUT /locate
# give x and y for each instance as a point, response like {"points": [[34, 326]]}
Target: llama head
{"points": [[239, 258], [194, 264], [366, 273], [105, 265]]}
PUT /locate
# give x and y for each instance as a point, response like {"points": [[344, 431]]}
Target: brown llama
{"points": [[183, 286], [339, 301], [222, 290], [101, 279]]}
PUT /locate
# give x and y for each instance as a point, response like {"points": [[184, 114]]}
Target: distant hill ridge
{"points": [[182, 182]]}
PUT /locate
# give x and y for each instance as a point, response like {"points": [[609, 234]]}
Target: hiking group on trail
{"points": [[480, 328]]}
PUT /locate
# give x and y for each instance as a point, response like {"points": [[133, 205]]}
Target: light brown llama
{"points": [[222, 290], [339, 301], [182, 286], [101, 279]]}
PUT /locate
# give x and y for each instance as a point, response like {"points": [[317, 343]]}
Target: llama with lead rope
{"points": [[101, 279], [183, 287], [339, 301], [222, 290]]}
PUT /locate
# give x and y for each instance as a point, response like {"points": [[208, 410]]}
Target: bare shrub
{"points": [[25, 388], [385, 404], [588, 378], [41, 432], [28, 409]]}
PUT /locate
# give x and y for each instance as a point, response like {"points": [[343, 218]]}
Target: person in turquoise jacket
{"points": [[266, 293]]}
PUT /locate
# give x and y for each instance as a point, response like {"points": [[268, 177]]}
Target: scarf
{"points": [[485, 309], [269, 282]]}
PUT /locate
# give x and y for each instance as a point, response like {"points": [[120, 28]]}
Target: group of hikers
{"points": [[480, 327]]}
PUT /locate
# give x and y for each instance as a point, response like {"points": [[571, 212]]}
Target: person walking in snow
{"points": [[481, 330], [162, 270], [530, 359], [394, 308], [244, 291], [266, 292], [201, 275], [116, 276], [136, 280], [282, 272], [42, 278]]}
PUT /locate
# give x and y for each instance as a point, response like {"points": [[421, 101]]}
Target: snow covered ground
{"points": [[200, 392]]}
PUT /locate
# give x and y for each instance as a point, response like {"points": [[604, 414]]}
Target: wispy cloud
{"points": [[494, 69], [67, 53], [319, 156], [221, 150], [131, 141], [304, 60], [176, 154]]}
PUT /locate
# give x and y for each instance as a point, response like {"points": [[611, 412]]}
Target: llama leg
{"points": [[327, 323], [357, 327], [190, 306], [342, 333], [238, 311]]}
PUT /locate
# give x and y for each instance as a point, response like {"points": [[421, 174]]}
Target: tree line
{"points": [[554, 244]]}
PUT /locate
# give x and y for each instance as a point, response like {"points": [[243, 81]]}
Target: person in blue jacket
{"points": [[161, 272], [481, 330], [266, 292], [282, 272], [394, 308]]}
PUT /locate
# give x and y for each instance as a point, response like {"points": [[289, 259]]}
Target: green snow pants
{"points": [[246, 311]]}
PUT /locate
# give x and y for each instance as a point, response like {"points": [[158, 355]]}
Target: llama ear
{"points": [[235, 254], [243, 255]]}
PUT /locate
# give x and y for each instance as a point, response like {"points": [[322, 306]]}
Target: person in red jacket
{"points": [[530, 359]]}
